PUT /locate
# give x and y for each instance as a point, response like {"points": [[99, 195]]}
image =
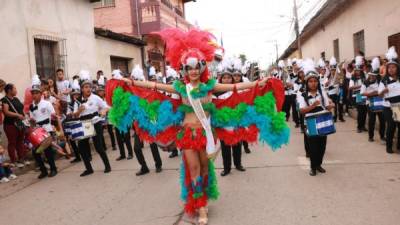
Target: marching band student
{"points": [[355, 86], [75, 94], [369, 89], [40, 113], [389, 88], [238, 78], [101, 83], [89, 108], [229, 150], [138, 144], [299, 87], [122, 138], [290, 95], [313, 100], [332, 85], [171, 76]]}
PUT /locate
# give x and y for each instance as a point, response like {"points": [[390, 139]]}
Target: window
{"points": [[336, 49], [104, 3], [45, 58], [394, 40], [359, 43], [120, 63]]}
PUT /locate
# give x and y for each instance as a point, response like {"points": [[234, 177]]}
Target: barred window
{"points": [[359, 43], [104, 3]]}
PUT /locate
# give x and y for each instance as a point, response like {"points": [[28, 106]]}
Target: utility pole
{"points": [[296, 28], [276, 48]]}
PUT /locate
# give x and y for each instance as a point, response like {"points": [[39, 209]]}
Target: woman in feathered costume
{"points": [[194, 120]]}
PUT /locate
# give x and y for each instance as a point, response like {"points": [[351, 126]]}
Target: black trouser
{"points": [[290, 103], [317, 146], [75, 149], [227, 152], [338, 110], [111, 134], [371, 124], [302, 125], [84, 148], [245, 145], [124, 139], [361, 116], [138, 149], [306, 144], [391, 128], [49, 153]]}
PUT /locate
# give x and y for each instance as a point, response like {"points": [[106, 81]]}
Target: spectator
{"points": [[52, 88], [13, 111], [382, 70], [64, 89], [6, 173]]}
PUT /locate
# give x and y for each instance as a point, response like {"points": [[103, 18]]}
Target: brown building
{"points": [[140, 18]]}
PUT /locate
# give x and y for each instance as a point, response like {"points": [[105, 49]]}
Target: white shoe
{"points": [[27, 163], [12, 177], [4, 180], [20, 165]]}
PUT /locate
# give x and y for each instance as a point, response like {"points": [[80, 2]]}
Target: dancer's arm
{"points": [[151, 85], [239, 86]]}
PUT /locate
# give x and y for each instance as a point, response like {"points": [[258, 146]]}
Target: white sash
{"points": [[204, 120]]}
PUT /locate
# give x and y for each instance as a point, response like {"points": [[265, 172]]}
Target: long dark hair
{"points": [[8, 88], [318, 89]]}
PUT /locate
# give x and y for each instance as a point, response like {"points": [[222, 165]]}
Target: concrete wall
{"points": [[23, 19], [378, 19], [107, 48]]}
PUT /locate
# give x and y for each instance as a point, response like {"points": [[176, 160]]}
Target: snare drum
{"points": [[376, 104], [39, 138], [320, 124], [80, 129], [360, 99]]}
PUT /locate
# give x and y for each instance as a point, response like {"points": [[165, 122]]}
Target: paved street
{"points": [[361, 187]]}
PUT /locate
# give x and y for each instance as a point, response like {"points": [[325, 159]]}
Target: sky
{"points": [[252, 27]]}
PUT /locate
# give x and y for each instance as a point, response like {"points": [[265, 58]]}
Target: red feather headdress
{"points": [[185, 48]]}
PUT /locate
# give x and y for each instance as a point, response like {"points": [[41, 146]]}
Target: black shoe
{"points": [[120, 158], [342, 120], [114, 148], [359, 131], [225, 172], [43, 175], [173, 154], [364, 129], [241, 168], [76, 160], [307, 155], [321, 170], [53, 173], [371, 139], [158, 170], [247, 151], [313, 172], [129, 157], [86, 172], [143, 172], [107, 170], [389, 150]]}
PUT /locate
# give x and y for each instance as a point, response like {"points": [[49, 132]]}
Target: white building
{"points": [[342, 28]]}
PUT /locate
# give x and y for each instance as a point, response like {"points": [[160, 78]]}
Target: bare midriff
{"points": [[191, 118]]}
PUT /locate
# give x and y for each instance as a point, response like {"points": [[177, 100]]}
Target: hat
{"points": [[76, 89], [84, 77], [116, 74], [391, 56], [359, 62], [101, 83], [321, 63], [171, 75], [237, 66], [375, 64], [332, 63], [152, 74], [289, 64], [36, 83], [281, 64], [137, 73], [309, 69]]}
